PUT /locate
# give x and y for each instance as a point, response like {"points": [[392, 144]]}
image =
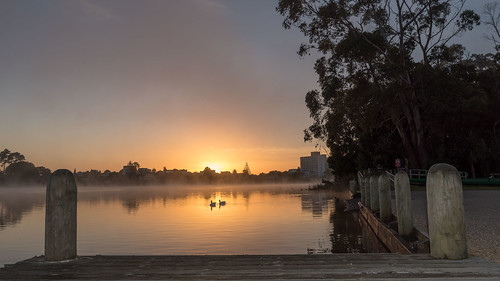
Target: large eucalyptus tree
{"points": [[372, 53]]}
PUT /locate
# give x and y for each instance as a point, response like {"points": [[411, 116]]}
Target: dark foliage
{"points": [[377, 102]]}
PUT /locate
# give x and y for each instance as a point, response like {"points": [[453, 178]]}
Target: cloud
{"points": [[211, 5]]}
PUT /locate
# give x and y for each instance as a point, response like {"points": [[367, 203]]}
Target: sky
{"points": [[186, 84]]}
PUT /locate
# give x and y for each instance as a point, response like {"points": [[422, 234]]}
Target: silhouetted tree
{"points": [[492, 15], [246, 169], [208, 175], [7, 158], [22, 172]]}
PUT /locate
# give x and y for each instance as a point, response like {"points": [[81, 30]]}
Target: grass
{"points": [[464, 187]]}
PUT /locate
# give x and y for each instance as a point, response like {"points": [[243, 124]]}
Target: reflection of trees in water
{"points": [[133, 197], [131, 205], [347, 234], [351, 234], [15, 204], [9, 216]]}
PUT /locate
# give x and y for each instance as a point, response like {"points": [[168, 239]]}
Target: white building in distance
{"points": [[314, 165]]}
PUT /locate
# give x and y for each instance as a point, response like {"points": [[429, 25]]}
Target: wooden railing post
{"points": [[60, 217], [446, 213], [374, 196], [403, 203], [384, 187]]}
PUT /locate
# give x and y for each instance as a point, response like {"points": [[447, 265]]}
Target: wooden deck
{"points": [[254, 267]]}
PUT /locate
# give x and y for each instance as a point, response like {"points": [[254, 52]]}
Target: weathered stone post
{"points": [[352, 186], [374, 196], [368, 192], [403, 203], [446, 213], [60, 217], [384, 187], [362, 189]]}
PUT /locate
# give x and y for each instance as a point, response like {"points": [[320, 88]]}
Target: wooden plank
{"points": [[304, 267]]}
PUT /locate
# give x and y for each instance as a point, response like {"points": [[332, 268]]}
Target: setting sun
{"points": [[217, 167]]}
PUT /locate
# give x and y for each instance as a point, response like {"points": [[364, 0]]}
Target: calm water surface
{"points": [[169, 220]]}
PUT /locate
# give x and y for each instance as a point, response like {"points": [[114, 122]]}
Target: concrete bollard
{"points": [[384, 188], [368, 192], [403, 203], [362, 190], [352, 186], [60, 217], [374, 196], [446, 213]]}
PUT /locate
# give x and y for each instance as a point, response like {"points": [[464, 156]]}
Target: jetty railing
{"points": [[418, 173]]}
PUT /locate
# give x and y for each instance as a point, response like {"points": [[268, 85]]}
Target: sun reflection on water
{"points": [[253, 221]]}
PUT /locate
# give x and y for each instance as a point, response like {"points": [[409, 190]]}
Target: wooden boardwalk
{"points": [[255, 267]]}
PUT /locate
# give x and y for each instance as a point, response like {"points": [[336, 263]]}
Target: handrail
{"points": [[390, 175], [412, 173]]}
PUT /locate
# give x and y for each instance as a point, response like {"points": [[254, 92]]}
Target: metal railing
{"points": [[417, 174]]}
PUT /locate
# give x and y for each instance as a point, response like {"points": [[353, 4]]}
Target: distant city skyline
{"points": [[181, 84]]}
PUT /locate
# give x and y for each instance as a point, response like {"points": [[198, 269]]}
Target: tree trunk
{"points": [[410, 150], [472, 168]]}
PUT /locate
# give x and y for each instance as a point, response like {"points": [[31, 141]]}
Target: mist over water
{"points": [[178, 220]]}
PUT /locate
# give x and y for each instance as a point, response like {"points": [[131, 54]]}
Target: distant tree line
{"points": [[392, 84], [17, 171], [132, 175]]}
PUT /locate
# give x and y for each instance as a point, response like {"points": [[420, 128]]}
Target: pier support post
{"points": [[403, 203], [446, 213], [374, 196], [384, 187], [60, 217]]}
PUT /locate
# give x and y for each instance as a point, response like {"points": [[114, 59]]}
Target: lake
{"points": [[178, 220]]}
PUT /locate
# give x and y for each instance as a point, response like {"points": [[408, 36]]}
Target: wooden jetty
{"points": [[255, 267]]}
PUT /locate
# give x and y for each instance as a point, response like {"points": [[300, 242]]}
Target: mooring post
{"points": [[362, 189], [374, 196], [384, 187], [403, 203], [445, 211], [368, 196], [352, 187], [60, 217]]}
